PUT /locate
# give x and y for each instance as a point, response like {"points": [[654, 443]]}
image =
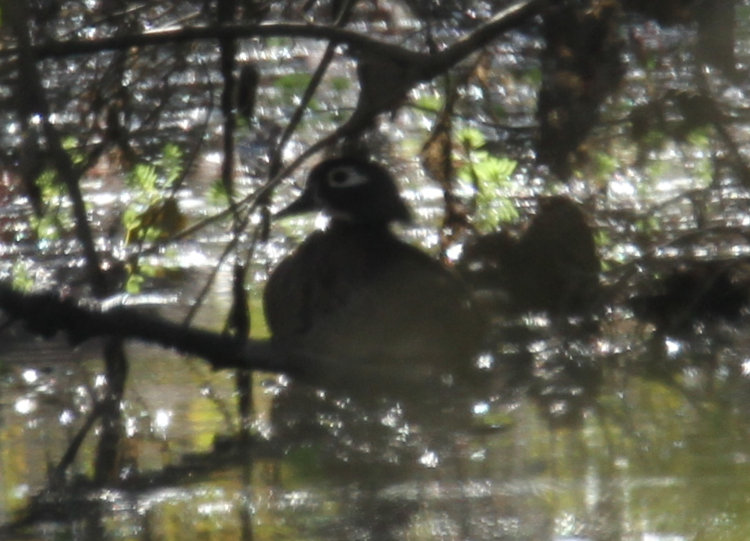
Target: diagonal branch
{"points": [[429, 64], [47, 313]]}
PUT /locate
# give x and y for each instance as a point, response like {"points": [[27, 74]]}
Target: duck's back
{"points": [[358, 293]]}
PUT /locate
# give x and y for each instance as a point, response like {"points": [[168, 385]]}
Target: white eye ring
{"points": [[345, 177]]}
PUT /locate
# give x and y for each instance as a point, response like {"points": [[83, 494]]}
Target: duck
{"points": [[356, 292], [552, 267]]}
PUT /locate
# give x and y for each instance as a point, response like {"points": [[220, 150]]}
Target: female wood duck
{"points": [[357, 293]]}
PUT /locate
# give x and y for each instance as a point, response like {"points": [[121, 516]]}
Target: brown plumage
{"points": [[355, 292]]}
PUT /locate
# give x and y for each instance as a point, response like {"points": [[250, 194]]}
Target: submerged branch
{"points": [[47, 314]]}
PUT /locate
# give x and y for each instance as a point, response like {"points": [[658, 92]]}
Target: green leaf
{"points": [[170, 164], [647, 225], [604, 241], [50, 187], [492, 175], [606, 165], [293, 82], [46, 227], [134, 284], [432, 102], [70, 144], [20, 276], [534, 76], [471, 138], [493, 210], [217, 193], [492, 171], [704, 170], [143, 177], [131, 217], [700, 137], [341, 83], [159, 220]]}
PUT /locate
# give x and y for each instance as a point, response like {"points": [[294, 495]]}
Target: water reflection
{"points": [[612, 432], [570, 441]]}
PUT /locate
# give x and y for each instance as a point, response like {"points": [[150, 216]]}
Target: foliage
{"points": [[490, 176], [217, 193], [430, 102], [154, 212], [21, 277], [291, 85]]}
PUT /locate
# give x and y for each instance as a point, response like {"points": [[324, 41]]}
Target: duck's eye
{"points": [[345, 177]]}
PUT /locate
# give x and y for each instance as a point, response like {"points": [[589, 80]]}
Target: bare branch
{"points": [[46, 314], [507, 19], [429, 64]]}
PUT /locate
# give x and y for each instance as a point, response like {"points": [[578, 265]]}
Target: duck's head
{"points": [[351, 190]]}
